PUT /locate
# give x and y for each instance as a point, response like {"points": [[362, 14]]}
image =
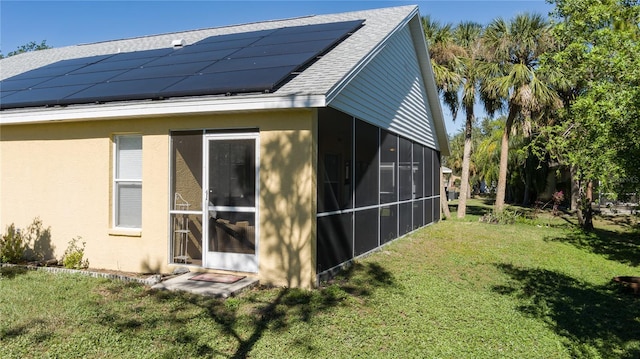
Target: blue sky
{"points": [[65, 23]]}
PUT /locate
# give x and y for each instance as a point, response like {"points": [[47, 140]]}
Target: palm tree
{"points": [[457, 60], [444, 60], [514, 49], [467, 35], [487, 154]]}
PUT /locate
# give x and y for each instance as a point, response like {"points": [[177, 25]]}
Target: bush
{"points": [[502, 217], [73, 256], [12, 245]]}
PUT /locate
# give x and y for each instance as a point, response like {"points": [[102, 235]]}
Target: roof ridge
{"points": [[194, 30], [248, 24]]}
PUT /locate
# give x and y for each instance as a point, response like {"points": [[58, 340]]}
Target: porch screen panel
{"points": [[335, 143], [430, 171], [366, 164], [418, 216], [428, 211], [436, 186], [405, 178], [436, 209], [186, 197], [186, 184], [405, 218], [388, 223], [418, 171], [335, 240], [436, 173], [388, 167], [366, 231]]}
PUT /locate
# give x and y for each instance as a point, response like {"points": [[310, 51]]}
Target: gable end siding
{"points": [[390, 93]]}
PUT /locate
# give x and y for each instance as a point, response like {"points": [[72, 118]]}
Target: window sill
{"points": [[121, 232]]}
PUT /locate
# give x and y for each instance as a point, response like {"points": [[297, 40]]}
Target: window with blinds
{"points": [[127, 182]]}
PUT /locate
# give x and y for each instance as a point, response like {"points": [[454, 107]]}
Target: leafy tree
{"points": [[28, 47], [513, 48], [598, 132]]}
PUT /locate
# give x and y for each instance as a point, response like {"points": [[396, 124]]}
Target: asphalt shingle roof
{"points": [[317, 79]]}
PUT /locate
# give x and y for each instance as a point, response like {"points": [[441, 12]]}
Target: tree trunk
{"points": [[528, 178], [504, 160], [575, 188], [466, 159], [585, 211], [443, 198]]}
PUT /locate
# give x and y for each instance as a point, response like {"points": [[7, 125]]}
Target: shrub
{"points": [[12, 245], [557, 198], [73, 256], [501, 217]]}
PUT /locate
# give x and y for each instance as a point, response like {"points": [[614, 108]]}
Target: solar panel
{"points": [[255, 80], [121, 90], [257, 61], [151, 72], [79, 79], [278, 49], [248, 63]]}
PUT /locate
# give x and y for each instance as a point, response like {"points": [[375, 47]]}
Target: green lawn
{"points": [[457, 289]]}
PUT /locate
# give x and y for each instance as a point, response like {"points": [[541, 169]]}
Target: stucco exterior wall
{"points": [[62, 173]]}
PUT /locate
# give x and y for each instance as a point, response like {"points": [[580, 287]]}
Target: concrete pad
{"points": [[218, 290]]}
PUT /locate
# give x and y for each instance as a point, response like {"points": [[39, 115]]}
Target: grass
{"points": [[458, 289]]}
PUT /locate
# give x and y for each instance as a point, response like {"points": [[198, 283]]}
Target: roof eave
{"points": [[191, 106]]}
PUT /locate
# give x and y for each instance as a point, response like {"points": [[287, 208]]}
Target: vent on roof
{"points": [[178, 43]]}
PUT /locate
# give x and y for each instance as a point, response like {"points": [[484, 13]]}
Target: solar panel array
{"points": [[255, 61]]}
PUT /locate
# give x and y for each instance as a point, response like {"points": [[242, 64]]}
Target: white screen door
{"points": [[231, 197]]}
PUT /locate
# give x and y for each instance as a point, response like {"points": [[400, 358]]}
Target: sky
{"points": [[66, 23]]}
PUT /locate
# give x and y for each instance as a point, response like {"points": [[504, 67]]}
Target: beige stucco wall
{"points": [[61, 172]]}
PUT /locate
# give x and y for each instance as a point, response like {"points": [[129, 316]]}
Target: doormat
{"points": [[217, 278]]}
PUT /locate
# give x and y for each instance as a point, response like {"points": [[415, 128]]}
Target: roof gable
{"points": [[390, 92]]}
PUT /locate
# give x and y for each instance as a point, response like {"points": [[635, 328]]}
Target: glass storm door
{"points": [[231, 197]]}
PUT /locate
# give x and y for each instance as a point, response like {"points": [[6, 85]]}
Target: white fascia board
{"points": [[159, 108]]}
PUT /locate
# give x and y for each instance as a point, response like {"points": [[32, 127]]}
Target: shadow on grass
{"points": [[25, 329], [472, 209], [290, 305], [591, 318], [627, 221], [12, 272], [623, 247], [238, 323]]}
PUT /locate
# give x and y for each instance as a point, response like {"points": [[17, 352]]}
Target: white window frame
{"points": [[118, 181]]}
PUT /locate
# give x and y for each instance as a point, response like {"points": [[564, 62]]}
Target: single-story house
{"points": [[279, 149]]}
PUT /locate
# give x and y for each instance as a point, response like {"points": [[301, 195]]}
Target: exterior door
{"points": [[231, 198]]}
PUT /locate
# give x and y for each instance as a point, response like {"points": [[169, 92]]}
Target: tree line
{"points": [[568, 92]]}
